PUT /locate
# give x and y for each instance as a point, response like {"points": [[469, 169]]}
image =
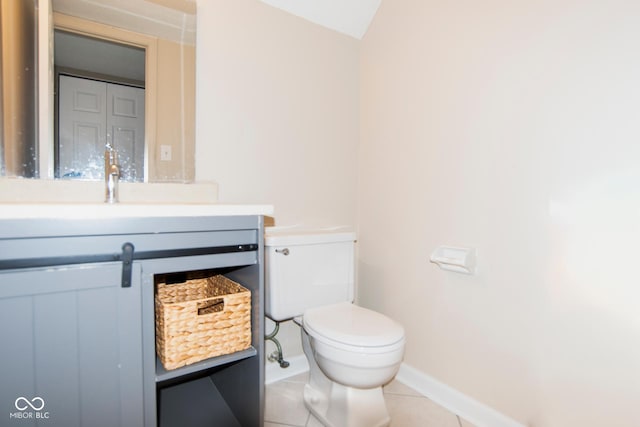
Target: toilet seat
{"points": [[349, 327]]}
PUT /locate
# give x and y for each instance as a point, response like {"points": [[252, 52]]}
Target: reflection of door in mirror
{"points": [[100, 100], [93, 114]]}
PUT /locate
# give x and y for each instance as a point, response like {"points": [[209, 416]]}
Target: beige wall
{"points": [[511, 127], [277, 106], [504, 126], [277, 117], [175, 125]]}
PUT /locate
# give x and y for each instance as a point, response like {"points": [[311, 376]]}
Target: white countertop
{"points": [[125, 210]]}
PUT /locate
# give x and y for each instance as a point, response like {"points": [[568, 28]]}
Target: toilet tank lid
{"points": [[289, 236]]}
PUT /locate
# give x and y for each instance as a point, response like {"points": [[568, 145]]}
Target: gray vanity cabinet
{"points": [[77, 330], [71, 353]]}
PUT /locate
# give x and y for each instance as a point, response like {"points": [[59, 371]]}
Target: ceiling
{"points": [[351, 17], [99, 56]]}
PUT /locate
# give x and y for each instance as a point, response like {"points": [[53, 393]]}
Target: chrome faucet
{"points": [[111, 174]]}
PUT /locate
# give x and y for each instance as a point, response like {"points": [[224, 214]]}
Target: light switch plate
{"points": [[165, 152]]}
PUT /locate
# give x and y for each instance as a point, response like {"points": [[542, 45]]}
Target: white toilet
{"points": [[352, 351]]}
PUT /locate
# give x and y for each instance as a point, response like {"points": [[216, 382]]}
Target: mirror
{"points": [[164, 31], [99, 101]]}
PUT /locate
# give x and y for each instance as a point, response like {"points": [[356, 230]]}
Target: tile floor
{"points": [[408, 408]]}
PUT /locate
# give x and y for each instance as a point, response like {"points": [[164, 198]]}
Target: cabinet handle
{"points": [[127, 264], [284, 251]]}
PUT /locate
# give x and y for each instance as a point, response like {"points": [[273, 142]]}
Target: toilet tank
{"points": [[307, 268]]}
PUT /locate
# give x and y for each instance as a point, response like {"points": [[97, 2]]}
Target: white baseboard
{"points": [[297, 365], [478, 414]]}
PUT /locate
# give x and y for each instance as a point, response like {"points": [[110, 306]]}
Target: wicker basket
{"points": [[201, 318]]}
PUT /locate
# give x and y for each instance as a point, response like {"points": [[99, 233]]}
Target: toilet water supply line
{"points": [[276, 356]]}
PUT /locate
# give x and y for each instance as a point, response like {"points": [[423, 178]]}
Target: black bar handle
{"points": [[11, 264], [127, 264]]}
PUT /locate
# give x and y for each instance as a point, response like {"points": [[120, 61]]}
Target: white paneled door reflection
{"points": [[91, 114]]}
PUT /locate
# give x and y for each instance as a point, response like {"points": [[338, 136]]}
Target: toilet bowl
{"points": [[352, 351], [354, 346], [349, 365]]}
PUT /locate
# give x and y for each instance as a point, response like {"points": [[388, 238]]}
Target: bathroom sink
{"points": [[125, 210], [34, 198]]}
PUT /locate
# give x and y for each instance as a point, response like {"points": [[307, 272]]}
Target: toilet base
{"points": [[347, 406], [336, 405]]}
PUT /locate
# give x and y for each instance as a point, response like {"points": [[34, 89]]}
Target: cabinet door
{"points": [[71, 347]]}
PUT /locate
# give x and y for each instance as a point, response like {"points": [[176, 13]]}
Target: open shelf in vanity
{"points": [[226, 390]]}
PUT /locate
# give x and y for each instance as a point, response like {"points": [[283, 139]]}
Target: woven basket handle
{"points": [[214, 306]]}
